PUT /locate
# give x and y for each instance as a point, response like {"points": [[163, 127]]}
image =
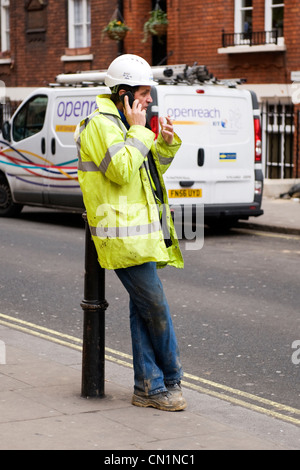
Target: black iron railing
{"points": [[280, 130], [253, 38], [7, 109]]}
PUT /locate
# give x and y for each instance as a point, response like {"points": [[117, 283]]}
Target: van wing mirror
{"points": [[6, 131]]}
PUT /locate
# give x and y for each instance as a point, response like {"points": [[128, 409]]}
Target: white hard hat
{"points": [[129, 69]]}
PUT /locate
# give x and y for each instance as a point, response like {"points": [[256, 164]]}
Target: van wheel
{"points": [[7, 207]]}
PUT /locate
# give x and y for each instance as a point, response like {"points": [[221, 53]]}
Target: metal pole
{"points": [[94, 306]]}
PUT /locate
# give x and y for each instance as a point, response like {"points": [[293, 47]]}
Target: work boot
{"points": [[162, 401], [175, 389]]}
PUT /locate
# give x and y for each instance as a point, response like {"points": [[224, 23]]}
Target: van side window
{"points": [[30, 119]]}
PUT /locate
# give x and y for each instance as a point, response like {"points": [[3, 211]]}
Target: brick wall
{"points": [[37, 61], [194, 35]]}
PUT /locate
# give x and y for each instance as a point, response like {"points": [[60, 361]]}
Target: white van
{"points": [[38, 158], [218, 166]]}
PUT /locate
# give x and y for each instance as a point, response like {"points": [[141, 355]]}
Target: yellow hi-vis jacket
{"points": [[118, 196]]}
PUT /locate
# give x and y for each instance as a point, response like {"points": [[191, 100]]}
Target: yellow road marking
{"points": [[67, 340], [245, 404], [266, 234]]}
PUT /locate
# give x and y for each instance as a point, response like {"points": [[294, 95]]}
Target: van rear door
{"points": [[215, 164]]}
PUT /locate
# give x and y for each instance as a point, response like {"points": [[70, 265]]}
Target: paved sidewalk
{"points": [[280, 215], [41, 407]]}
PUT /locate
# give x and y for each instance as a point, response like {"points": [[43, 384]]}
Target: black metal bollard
{"points": [[94, 306]]}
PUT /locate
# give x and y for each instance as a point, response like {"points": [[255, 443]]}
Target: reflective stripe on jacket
{"points": [[121, 210]]}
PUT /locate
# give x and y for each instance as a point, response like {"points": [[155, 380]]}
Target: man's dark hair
{"points": [[115, 92]]}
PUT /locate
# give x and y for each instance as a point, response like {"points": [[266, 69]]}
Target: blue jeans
{"points": [[156, 360]]}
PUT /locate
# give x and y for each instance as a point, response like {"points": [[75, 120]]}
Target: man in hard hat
{"points": [[120, 173]]}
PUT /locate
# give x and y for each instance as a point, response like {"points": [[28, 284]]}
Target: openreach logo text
{"points": [[75, 109], [208, 113], [123, 219]]}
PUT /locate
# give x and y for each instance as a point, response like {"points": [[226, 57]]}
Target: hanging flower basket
{"points": [[116, 35], [156, 25], [116, 30], [160, 29]]}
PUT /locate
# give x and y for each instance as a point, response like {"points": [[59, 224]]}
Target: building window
{"points": [[270, 39], [36, 20], [79, 23], [5, 26], [274, 11], [243, 16]]}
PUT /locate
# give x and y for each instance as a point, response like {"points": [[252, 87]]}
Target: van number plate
{"points": [[187, 192]]}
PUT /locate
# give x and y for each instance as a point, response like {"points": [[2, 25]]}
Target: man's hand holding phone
{"points": [[133, 110]]}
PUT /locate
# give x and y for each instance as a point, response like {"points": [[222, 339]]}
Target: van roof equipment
{"points": [[171, 75]]}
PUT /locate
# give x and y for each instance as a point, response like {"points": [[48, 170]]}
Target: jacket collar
{"points": [[106, 105]]}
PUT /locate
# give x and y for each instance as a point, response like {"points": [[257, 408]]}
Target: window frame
{"points": [[238, 15], [268, 13], [86, 24], [5, 25]]}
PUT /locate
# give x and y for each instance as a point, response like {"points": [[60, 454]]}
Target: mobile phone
{"points": [[130, 98]]}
